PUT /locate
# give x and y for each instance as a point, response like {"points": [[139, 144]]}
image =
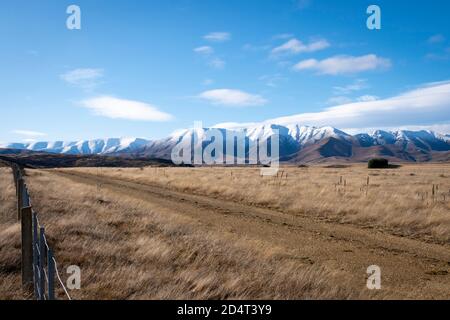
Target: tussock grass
{"points": [[127, 250], [402, 201]]}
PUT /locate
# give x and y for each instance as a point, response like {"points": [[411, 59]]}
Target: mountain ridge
{"points": [[297, 143]]}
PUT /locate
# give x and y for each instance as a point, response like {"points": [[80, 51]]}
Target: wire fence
{"points": [[39, 267]]}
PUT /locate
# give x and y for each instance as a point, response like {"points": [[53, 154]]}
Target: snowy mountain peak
{"points": [[97, 146]]}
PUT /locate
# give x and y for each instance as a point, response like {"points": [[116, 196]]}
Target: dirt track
{"points": [[410, 268]]}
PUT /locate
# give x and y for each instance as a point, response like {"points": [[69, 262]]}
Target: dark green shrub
{"points": [[378, 163]]}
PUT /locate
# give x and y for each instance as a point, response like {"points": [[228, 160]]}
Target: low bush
{"points": [[378, 163]]}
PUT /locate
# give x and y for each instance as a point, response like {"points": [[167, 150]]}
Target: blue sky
{"points": [[147, 68]]}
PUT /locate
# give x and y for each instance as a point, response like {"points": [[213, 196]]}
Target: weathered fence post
{"points": [[38, 263], [51, 275], [19, 197], [35, 256], [41, 263], [27, 248], [14, 170], [25, 196]]}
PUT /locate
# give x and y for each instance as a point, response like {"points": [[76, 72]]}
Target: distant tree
{"points": [[378, 163]]}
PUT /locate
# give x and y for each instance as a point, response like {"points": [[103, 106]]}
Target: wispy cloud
{"points": [[272, 80], [357, 85], [204, 50], [217, 36], [255, 48], [233, 98], [29, 133], [208, 82], [283, 36], [441, 56], [84, 78], [295, 46], [367, 98], [212, 60], [115, 108], [217, 63], [344, 64], [437, 38], [339, 100], [425, 106]]}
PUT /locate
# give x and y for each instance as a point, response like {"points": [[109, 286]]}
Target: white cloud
{"points": [[116, 108], [205, 50], [208, 82], [295, 46], [255, 48], [218, 36], [344, 64], [444, 56], [28, 133], [357, 85], [234, 98], [437, 38], [83, 78], [217, 63], [339, 100], [367, 98], [207, 53], [428, 105], [77, 75], [283, 36], [272, 80]]}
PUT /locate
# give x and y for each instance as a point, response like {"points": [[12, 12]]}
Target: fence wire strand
{"points": [[60, 281], [54, 261], [18, 174]]}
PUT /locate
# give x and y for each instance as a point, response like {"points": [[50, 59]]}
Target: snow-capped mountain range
{"points": [[297, 143], [97, 146]]}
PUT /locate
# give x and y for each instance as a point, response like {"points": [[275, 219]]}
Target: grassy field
{"points": [[129, 250], [227, 233], [10, 274], [413, 200]]}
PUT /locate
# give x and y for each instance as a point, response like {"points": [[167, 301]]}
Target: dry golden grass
{"points": [[399, 200], [10, 272], [127, 250], [131, 247]]}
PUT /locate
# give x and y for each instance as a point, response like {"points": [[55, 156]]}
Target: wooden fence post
{"points": [[35, 256], [51, 275], [27, 248], [26, 196], [19, 197], [14, 170], [41, 263]]}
